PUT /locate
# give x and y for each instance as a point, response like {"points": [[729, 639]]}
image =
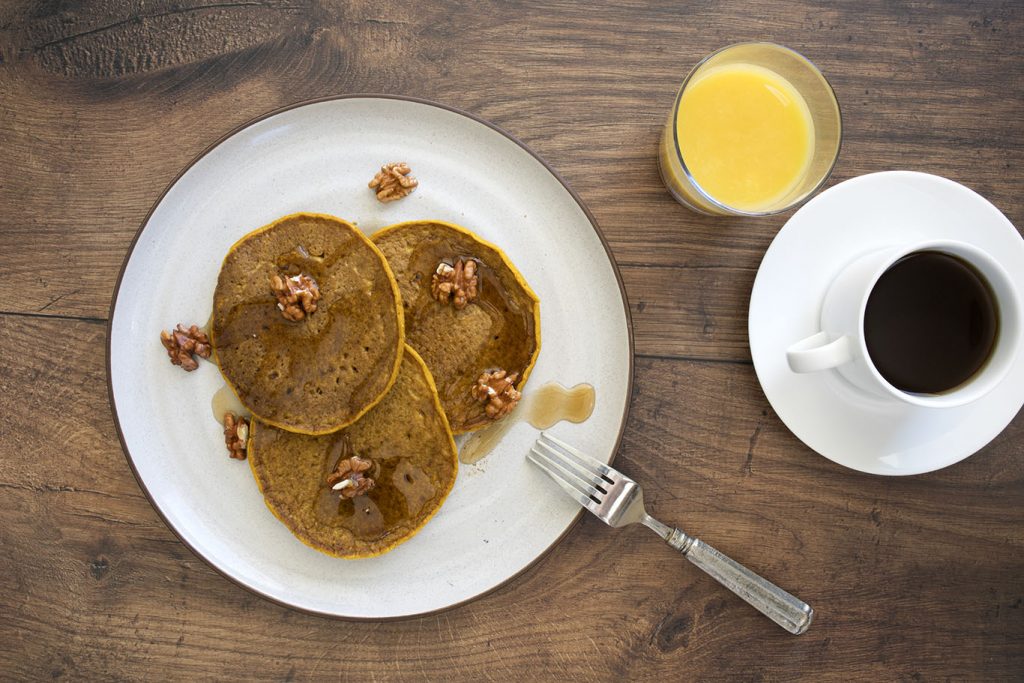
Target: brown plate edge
{"points": [[331, 98]]}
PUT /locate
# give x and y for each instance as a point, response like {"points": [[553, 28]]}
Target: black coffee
{"points": [[931, 323]]}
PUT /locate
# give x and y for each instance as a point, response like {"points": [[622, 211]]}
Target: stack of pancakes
{"points": [[381, 369]]}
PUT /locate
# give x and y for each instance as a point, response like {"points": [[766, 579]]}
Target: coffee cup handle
{"points": [[818, 353]]}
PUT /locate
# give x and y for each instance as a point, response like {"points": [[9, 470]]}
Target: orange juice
{"points": [[745, 135]]}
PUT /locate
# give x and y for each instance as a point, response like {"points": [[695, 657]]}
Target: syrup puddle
{"points": [[553, 403], [480, 443], [225, 401], [542, 409]]}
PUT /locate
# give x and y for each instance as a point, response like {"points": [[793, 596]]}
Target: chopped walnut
{"points": [[348, 477], [236, 435], [458, 283], [498, 390], [184, 344], [296, 295], [393, 182]]}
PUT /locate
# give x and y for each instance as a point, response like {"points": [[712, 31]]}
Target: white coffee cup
{"points": [[840, 344]]}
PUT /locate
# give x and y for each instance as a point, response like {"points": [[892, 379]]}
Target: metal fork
{"points": [[617, 500]]}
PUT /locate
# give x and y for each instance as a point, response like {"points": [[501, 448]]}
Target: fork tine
{"points": [[594, 481], [586, 485], [597, 469], [572, 488]]}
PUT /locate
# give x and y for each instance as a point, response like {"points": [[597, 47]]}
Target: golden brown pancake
{"points": [[415, 463], [320, 373], [499, 329]]}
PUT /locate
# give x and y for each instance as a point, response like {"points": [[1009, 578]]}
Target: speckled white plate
{"points": [[879, 436], [503, 514]]}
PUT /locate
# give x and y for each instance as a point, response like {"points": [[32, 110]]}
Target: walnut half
{"points": [[498, 390], [393, 182], [349, 478], [296, 295], [184, 344], [236, 435], [457, 283]]}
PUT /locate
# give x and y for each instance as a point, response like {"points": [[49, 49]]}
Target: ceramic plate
{"points": [[846, 425], [503, 514]]}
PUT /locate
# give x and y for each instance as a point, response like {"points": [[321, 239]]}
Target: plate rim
{"points": [[332, 98]]}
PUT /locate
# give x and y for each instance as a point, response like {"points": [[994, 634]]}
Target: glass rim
{"points": [[725, 208]]}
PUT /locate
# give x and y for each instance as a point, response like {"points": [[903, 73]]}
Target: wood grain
{"points": [[101, 104], [895, 576]]}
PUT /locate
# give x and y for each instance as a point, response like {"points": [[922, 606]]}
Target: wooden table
{"points": [[101, 106]]}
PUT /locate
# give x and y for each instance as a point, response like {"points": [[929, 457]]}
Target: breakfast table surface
{"points": [[102, 104]]}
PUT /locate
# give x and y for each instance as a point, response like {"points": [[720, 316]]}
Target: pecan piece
{"points": [[349, 477], [393, 182], [498, 390], [457, 283], [184, 344], [296, 295], [236, 435]]}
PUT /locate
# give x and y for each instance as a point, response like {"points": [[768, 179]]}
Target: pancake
{"points": [[405, 436], [320, 373], [499, 329]]}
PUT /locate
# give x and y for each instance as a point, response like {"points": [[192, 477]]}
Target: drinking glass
{"points": [[825, 123]]}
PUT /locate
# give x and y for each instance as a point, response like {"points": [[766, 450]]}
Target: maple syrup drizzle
{"points": [[542, 409], [482, 442], [225, 401], [553, 403]]}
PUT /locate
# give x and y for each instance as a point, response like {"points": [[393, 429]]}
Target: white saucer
{"points": [[847, 426]]}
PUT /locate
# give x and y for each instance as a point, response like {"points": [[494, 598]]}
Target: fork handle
{"points": [[787, 611]]}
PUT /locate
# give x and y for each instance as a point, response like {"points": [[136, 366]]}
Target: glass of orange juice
{"points": [[755, 130]]}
